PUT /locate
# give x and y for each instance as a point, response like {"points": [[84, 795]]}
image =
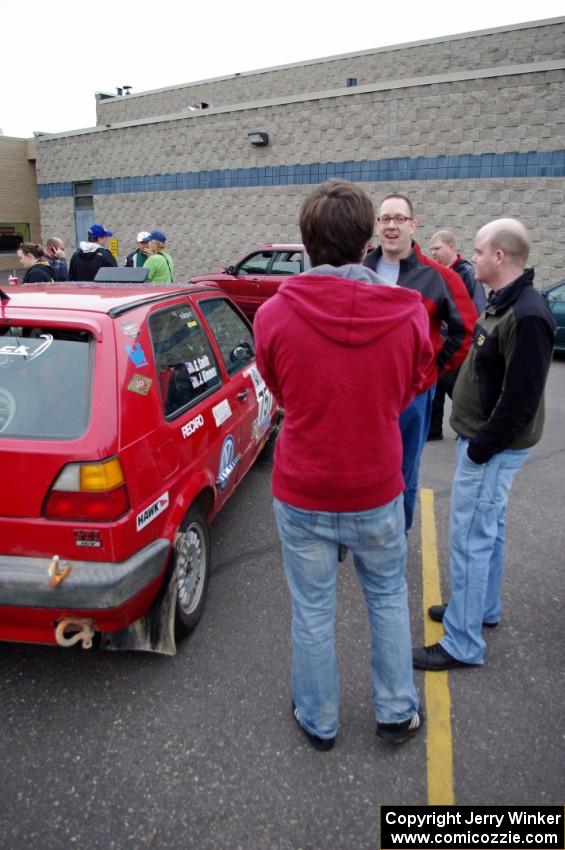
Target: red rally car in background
{"points": [[128, 415], [257, 276]]}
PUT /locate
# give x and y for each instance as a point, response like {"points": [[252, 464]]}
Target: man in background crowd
{"points": [[443, 249], [54, 250], [136, 259], [92, 255]]}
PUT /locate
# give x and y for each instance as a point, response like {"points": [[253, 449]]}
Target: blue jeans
{"points": [[476, 539], [414, 427], [310, 541]]}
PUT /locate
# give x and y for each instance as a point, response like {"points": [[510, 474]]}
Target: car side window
{"points": [[558, 294], [232, 334], [256, 263], [287, 262], [186, 365]]}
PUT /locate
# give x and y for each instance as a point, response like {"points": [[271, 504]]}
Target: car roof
{"points": [[93, 297], [282, 246]]}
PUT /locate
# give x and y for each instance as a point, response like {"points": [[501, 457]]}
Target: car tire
{"points": [[192, 570]]}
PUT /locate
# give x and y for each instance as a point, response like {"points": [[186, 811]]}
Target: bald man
{"points": [[54, 250], [498, 413]]}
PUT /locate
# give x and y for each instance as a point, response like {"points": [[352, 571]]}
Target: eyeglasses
{"points": [[398, 219]]}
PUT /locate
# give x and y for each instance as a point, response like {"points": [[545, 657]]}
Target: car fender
{"points": [[200, 487]]}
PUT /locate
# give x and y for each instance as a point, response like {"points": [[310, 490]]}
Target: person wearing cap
{"points": [[92, 255], [136, 259], [159, 264]]}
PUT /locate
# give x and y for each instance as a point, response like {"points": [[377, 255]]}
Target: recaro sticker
{"points": [[192, 426], [152, 511], [221, 412]]}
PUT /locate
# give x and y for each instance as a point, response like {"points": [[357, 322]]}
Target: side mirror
{"points": [[231, 270]]}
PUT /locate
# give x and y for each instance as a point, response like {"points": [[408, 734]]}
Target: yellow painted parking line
{"points": [[439, 754]]}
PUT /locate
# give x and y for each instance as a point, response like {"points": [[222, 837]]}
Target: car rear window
{"points": [[45, 381]]}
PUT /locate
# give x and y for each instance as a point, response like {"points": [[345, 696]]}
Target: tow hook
{"points": [[57, 571], [79, 630]]}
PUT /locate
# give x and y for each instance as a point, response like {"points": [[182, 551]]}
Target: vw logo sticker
{"points": [[228, 462]]}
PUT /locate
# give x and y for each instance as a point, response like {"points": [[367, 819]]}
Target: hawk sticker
{"points": [[152, 511]]}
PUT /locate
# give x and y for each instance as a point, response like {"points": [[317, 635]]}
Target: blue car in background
{"points": [[555, 297]]}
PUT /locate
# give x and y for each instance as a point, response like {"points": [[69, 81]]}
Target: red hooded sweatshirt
{"points": [[343, 358]]}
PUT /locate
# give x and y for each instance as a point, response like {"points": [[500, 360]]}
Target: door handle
{"points": [[243, 395]]}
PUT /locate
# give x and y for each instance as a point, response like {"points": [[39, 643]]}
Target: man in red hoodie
{"points": [[344, 354]]}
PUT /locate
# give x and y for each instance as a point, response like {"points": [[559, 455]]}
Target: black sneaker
{"points": [[436, 613], [435, 657], [320, 744], [397, 733]]}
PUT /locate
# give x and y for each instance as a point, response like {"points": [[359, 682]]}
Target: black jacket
{"points": [[85, 264], [466, 272], [38, 273], [59, 270], [498, 396], [446, 300]]}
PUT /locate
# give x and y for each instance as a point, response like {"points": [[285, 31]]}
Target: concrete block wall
{"points": [[520, 112], [210, 229], [514, 45]]}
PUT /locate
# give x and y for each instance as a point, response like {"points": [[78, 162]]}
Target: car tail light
{"points": [[88, 491]]}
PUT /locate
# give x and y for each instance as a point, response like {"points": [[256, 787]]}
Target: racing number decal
{"points": [[264, 403]]}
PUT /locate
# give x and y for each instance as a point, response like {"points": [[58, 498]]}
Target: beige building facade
{"points": [[19, 205], [472, 127]]}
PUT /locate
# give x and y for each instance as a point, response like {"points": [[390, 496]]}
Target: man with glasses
{"points": [[400, 261]]}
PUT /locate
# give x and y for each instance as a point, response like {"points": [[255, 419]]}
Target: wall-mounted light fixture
{"points": [[258, 139]]}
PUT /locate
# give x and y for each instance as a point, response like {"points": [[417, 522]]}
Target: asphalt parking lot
{"points": [[124, 751]]}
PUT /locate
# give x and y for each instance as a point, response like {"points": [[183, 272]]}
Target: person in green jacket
{"points": [[159, 264]]}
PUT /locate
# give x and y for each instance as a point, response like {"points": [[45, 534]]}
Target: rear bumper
{"points": [[93, 586]]}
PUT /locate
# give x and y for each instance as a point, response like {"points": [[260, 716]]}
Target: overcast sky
{"points": [[57, 54]]}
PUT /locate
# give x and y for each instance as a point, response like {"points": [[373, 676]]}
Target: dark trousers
{"points": [[443, 387]]}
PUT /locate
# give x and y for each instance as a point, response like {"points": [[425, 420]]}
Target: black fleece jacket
{"points": [[498, 396]]}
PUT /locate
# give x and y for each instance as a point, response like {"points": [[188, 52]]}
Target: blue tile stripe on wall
{"points": [[459, 167]]}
